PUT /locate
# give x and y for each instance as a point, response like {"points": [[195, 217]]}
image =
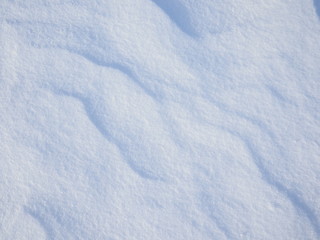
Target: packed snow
{"points": [[160, 119]]}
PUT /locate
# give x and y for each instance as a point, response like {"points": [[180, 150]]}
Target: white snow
{"points": [[159, 119]]}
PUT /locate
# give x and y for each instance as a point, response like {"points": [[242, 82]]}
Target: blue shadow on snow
{"points": [[316, 4], [178, 14]]}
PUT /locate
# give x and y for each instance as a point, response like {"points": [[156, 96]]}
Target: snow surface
{"points": [[159, 119]]}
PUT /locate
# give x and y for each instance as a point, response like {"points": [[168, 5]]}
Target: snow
{"points": [[159, 119]]}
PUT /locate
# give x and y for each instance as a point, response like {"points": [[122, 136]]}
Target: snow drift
{"points": [[159, 119]]}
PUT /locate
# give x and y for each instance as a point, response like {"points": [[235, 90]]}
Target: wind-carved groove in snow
{"points": [[178, 13], [39, 32], [49, 231], [90, 108], [316, 4], [97, 54], [256, 122], [298, 203], [58, 221], [278, 96], [118, 66]]}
